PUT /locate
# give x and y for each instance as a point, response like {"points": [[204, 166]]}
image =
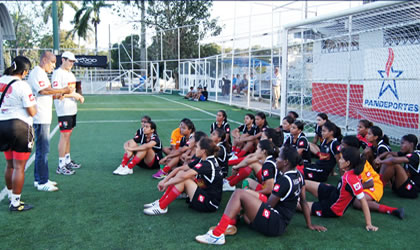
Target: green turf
{"points": [[96, 210]]}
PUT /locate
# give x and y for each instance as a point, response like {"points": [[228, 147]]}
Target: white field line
{"points": [[138, 121]]}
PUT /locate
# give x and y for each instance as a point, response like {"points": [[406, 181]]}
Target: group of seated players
{"points": [[196, 168]]}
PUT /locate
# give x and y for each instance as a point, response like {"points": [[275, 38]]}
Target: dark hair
{"points": [[222, 135], [224, 114], [189, 124], [351, 141], [300, 125], [377, 131], [19, 65], [289, 119], [191, 87], [152, 126], [411, 138], [199, 135], [336, 130], [269, 147], [323, 116], [209, 146], [252, 117], [366, 123], [289, 153], [147, 118], [262, 116], [293, 114], [276, 137], [352, 155]]}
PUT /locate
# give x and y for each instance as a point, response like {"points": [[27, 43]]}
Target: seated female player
{"points": [[243, 143], [176, 137], [321, 119], [334, 201], [202, 183], [218, 136], [221, 122], [362, 130], [171, 160], [299, 141], [285, 126], [379, 144], [406, 179], [144, 149], [267, 217]]}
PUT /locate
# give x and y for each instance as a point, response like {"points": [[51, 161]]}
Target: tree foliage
{"points": [[60, 10]]}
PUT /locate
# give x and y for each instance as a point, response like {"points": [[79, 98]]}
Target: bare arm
{"points": [[31, 110], [268, 187], [51, 91], [366, 212], [307, 212], [142, 147]]}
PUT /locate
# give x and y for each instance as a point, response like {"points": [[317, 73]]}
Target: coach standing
{"points": [[276, 88], [44, 93], [66, 112]]}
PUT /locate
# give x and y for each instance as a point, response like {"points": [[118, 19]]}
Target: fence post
{"points": [[217, 76], [349, 78]]}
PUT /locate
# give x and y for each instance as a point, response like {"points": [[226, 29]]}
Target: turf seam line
{"points": [[3, 192]]}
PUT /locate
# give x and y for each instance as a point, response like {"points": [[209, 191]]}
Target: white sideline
{"points": [[138, 121], [3, 192]]}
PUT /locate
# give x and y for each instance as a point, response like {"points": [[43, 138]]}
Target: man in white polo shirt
{"points": [[276, 88], [44, 93], [66, 112]]}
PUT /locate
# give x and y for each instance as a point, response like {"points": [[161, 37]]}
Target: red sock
{"points": [[233, 148], [166, 169], [133, 162], [259, 176], [300, 168], [170, 197], [237, 150], [125, 160], [241, 175], [166, 193], [223, 224], [241, 153], [259, 187], [230, 177], [385, 209], [236, 162]]}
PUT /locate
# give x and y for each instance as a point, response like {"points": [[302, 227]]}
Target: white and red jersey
{"points": [[60, 79], [18, 97], [38, 80], [348, 187]]}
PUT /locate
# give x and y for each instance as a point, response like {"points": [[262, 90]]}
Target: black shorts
{"points": [[317, 172], [16, 135], [407, 190], [268, 221], [154, 165], [326, 198], [67, 123], [202, 202]]}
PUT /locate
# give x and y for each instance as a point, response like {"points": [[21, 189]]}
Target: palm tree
{"points": [[89, 13], [60, 10]]}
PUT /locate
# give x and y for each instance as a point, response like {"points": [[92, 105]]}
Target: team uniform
{"points": [[244, 129], [320, 170], [380, 149], [16, 133], [268, 170], [176, 137], [225, 126], [272, 221], [363, 142], [369, 174], [67, 108], [262, 129], [411, 187], [209, 179], [39, 81], [334, 201], [222, 158], [301, 142], [140, 138]]}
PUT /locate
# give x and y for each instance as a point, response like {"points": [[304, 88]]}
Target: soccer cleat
{"points": [[233, 157], [230, 230], [20, 208], [209, 238], [74, 165], [151, 204], [65, 171], [117, 171], [155, 210], [228, 188], [399, 213], [125, 171], [48, 187], [159, 174]]}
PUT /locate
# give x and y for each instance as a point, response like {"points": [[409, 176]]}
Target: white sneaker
{"points": [[233, 157], [151, 204], [117, 171], [49, 181], [125, 171], [155, 210], [209, 238], [228, 188], [48, 187]]}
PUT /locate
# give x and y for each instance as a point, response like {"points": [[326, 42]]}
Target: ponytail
{"points": [[19, 65]]}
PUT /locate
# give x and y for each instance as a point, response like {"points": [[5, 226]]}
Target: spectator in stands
{"points": [[243, 85]]}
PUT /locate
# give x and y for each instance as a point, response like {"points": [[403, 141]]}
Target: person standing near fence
{"points": [[66, 108], [44, 93], [276, 88]]}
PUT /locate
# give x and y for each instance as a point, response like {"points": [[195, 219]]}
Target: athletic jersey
{"points": [[185, 141], [288, 187], [370, 174], [413, 166], [225, 126], [269, 169], [348, 187], [301, 142], [18, 97], [141, 139], [222, 156], [363, 142], [318, 131], [210, 178], [60, 79], [258, 130], [244, 129], [38, 80], [380, 149], [176, 137], [328, 151]]}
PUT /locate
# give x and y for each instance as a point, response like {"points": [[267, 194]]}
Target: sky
{"points": [[225, 12]]}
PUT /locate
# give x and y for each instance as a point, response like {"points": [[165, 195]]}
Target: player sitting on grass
{"points": [[379, 144], [321, 119], [406, 179], [267, 217], [284, 128], [202, 183], [221, 122], [244, 143], [362, 130], [299, 141], [218, 136], [176, 137], [334, 201], [145, 150]]}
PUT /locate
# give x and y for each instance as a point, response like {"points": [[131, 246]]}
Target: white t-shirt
{"points": [[18, 97], [277, 81], [38, 80], [60, 79]]}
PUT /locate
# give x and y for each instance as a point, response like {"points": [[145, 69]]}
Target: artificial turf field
{"points": [[97, 210]]}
